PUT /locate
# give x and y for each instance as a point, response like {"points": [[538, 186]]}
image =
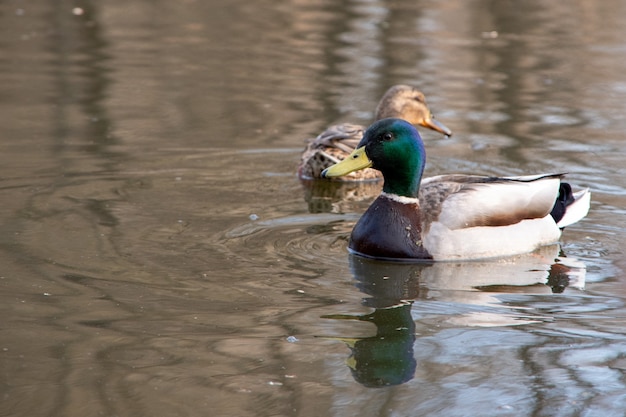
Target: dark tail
{"points": [[570, 207], [565, 198]]}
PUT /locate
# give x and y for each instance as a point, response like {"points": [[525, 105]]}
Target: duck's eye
{"points": [[387, 136]]}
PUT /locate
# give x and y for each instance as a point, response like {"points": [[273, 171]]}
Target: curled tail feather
{"points": [[570, 207]]}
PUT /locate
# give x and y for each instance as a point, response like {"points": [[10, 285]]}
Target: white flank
{"points": [[481, 242]]}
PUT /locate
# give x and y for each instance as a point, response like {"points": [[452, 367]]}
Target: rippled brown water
{"points": [[159, 257]]}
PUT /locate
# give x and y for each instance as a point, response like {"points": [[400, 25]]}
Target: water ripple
{"points": [[320, 239]]}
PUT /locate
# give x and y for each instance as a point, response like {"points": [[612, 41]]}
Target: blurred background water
{"points": [[159, 256]]}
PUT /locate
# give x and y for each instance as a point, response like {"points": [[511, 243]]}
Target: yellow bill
{"points": [[356, 161]]}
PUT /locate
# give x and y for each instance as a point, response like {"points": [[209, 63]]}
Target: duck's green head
{"points": [[392, 146]]}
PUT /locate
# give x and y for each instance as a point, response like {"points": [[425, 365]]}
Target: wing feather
{"points": [[461, 201]]}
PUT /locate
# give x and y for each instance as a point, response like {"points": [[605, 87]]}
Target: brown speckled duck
{"points": [[452, 217], [338, 141]]}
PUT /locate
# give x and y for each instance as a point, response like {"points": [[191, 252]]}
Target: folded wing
{"points": [[462, 201]]}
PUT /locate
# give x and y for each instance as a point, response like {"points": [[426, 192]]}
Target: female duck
{"points": [[452, 217], [336, 142]]}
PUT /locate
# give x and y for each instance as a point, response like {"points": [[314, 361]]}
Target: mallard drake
{"points": [[452, 217], [336, 142]]}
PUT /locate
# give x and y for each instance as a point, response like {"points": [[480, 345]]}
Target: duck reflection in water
{"points": [[337, 196], [387, 358]]}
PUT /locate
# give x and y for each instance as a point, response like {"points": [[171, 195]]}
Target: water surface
{"points": [[159, 256]]}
